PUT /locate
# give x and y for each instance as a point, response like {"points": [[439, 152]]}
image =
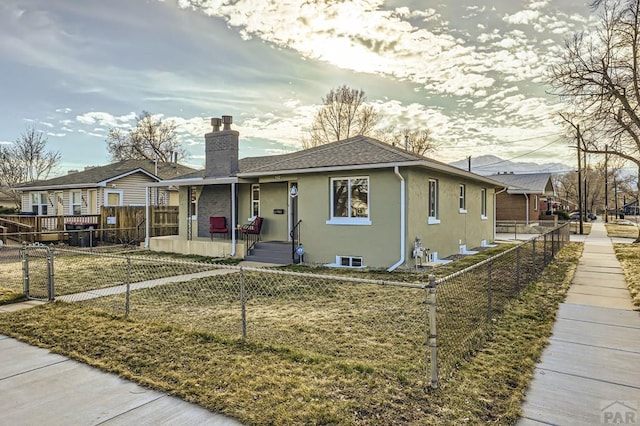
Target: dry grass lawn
{"points": [[270, 383], [629, 257], [622, 231]]}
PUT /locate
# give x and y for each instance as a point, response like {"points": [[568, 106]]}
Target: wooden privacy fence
{"points": [[113, 224]]}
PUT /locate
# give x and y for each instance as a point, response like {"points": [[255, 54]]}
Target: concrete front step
{"points": [[263, 259], [271, 252]]}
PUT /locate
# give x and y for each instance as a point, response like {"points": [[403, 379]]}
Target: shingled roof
{"points": [[529, 183], [359, 152], [355, 151], [101, 174]]}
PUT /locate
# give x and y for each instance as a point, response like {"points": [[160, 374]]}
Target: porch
{"points": [[200, 246]]}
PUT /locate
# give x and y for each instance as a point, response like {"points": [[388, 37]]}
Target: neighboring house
{"points": [[85, 192], [7, 199], [361, 202], [631, 208], [525, 197]]}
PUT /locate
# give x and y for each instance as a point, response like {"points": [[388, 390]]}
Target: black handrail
{"points": [[295, 231]]}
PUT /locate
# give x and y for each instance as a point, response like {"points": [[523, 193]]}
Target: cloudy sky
{"points": [[471, 71]]}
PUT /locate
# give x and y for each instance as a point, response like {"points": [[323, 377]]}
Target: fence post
{"points": [[25, 269], [127, 297], [518, 269], [553, 244], [432, 332], [489, 291], [533, 256], [544, 255], [243, 301], [50, 274]]}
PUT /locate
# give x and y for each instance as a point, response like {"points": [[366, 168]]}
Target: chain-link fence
{"points": [[469, 301], [388, 326]]}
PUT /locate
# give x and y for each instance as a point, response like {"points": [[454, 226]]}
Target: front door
{"points": [[92, 201]]}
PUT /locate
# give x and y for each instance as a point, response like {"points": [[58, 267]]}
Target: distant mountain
{"points": [[490, 164]]}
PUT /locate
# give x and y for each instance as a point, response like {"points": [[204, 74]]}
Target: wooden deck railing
{"points": [[113, 221]]}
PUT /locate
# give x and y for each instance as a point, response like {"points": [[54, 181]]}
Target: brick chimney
{"points": [[221, 149]]}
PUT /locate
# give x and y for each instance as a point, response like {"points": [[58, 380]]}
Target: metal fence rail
{"points": [[469, 301], [418, 331]]}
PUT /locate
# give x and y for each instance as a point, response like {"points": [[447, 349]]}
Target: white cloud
{"points": [[522, 17]]}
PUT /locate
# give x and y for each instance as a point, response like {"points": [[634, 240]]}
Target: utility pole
{"points": [[585, 190], [579, 181], [469, 162], [606, 184]]}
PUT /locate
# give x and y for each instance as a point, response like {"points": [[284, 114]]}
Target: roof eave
{"points": [[196, 181], [417, 163], [53, 187]]}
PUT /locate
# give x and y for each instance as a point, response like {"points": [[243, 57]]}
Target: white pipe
{"points": [[233, 219], [495, 194], [526, 217], [146, 217], [402, 221]]}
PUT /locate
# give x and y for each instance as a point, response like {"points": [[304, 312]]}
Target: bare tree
{"points": [[418, 141], [150, 139], [598, 76], [26, 160], [343, 114]]}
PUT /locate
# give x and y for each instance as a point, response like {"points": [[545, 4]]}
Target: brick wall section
{"points": [[513, 207], [221, 151], [215, 200]]}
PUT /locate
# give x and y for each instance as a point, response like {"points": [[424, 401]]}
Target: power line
{"points": [[517, 156]]}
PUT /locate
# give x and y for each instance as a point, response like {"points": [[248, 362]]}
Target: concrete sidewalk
{"points": [[589, 374], [38, 387]]}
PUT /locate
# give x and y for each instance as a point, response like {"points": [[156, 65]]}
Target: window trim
{"points": [[72, 204], [42, 208], [254, 201], [536, 202], [339, 259], [462, 198], [113, 191], [483, 204], [433, 220], [349, 220]]}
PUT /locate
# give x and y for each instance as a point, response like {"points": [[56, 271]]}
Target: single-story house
{"points": [[116, 184], [356, 202], [525, 197]]}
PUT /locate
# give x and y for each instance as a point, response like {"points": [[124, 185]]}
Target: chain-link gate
{"points": [[37, 272]]}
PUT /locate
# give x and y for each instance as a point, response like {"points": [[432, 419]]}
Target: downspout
{"points": [[233, 219], [495, 196], [147, 227], [402, 221], [526, 216]]}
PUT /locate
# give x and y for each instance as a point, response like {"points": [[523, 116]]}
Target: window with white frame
{"points": [[113, 197], [433, 202], [350, 200], [483, 203], [350, 261], [535, 203], [39, 203], [255, 200], [76, 202], [462, 198]]}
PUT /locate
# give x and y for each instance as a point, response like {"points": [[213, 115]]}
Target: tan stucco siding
{"points": [[454, 228], [183, 212], [273, 197], [378, 243]]}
